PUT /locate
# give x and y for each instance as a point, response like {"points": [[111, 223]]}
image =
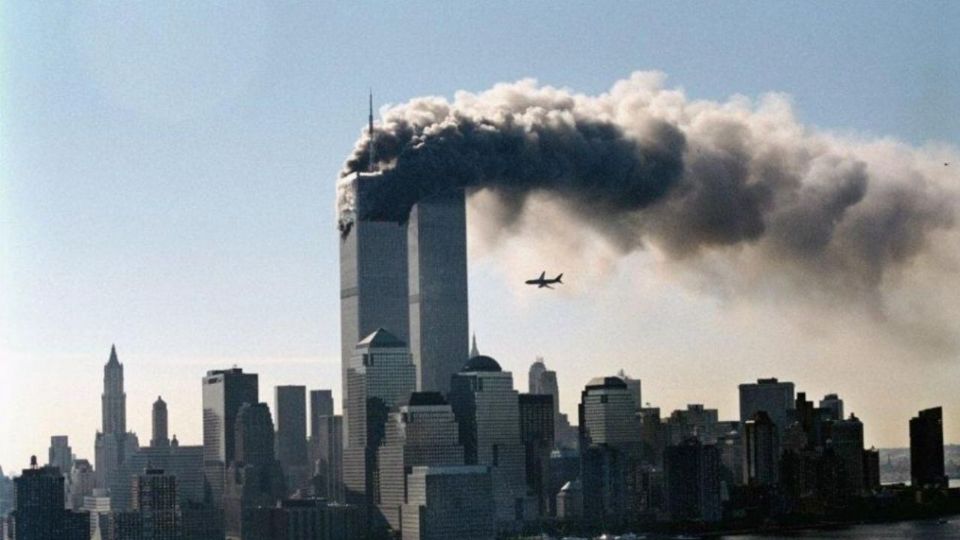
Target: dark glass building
{"points": [[291, 414], [926, 449], [224, 392], [39, 513]]}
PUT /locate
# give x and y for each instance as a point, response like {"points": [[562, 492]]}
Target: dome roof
{"points": [[481, 363]]}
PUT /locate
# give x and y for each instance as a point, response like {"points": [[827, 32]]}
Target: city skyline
{"points": [[68, 213]]}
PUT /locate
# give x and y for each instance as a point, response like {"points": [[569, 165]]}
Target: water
{"points": [[906, 530]]}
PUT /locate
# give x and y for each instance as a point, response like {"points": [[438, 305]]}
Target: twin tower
{"points": [[408, 276]]}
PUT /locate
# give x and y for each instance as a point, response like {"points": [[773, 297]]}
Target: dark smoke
{"points": [[643, 165]]}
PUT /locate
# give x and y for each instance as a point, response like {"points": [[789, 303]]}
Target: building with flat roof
{"points": [[449, 502]]}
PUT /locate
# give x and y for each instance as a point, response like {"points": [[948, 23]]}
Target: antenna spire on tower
{"points": [[370, 135]]}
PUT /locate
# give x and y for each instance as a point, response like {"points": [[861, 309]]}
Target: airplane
{"points": [[542, 281]]}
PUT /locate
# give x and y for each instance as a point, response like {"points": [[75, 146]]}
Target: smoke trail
{"points": [[643, 165]]}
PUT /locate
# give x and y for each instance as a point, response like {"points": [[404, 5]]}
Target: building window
{"points": [[496, 455]]}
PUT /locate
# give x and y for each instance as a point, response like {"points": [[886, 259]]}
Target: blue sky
{"points": [[167, 180]]}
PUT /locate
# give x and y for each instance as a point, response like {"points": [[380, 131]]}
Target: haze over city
{"points": [[169, 185]]}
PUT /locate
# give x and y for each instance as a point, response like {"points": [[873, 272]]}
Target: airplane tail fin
{"points": [[558, 278]]}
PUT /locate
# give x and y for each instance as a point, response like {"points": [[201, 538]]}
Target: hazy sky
{"points": [[167, 181]]}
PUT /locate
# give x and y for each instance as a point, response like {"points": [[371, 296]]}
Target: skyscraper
{"points": [[155, 497], [254, 477], [847, 437], [113, 443], [423, 432], [692, 472], [159, 424], [39, 513], [449, 502], [224, 392], [437, 270], [611, 449], [381, 376], [834, 405], [537, 434], [761, 450], [926, 449], [60, 455], [488, 413], [291, 413], [82, 482], [185, 463], [114, 399], [543, 381], [771, 396], [321, 404], [373, 276], [326, 446]]}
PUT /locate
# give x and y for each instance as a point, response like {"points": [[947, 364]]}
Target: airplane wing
{"points": [[543, 275]]}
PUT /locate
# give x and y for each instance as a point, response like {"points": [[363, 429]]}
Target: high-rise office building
{"points": [[82, 483], [328, 462], [449, 502], [254, 478], [381, 376], [224, 392], [114, 399], [537, 434], [847, 437], [694, 421], [326, 446], [321, 404], [60, 455], [159, 424], [692, 471], [761, 450], [610, 448], [423, 432], [543, 381], [112, 443], [40, 512], [926, 449], [373, 276], [770, 396], [608, 414], [437, 270], [834, 405], [290, 406], [488, 413], [185, 463], [155, 497]]}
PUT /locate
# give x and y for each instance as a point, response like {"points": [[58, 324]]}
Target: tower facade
{"points": [[159, 424], [224, 392], [155, 497], [381, 376], [770, 396], [114, 399], [423, 432], [373, 276], [488, 413], [437, 269], [112, 443], [291, 442], [926, 449]]}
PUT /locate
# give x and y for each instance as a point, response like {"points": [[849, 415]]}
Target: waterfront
{"points": [[907, 530]]}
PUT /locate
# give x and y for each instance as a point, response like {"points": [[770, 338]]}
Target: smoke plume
{"points": [[697, 181]]}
